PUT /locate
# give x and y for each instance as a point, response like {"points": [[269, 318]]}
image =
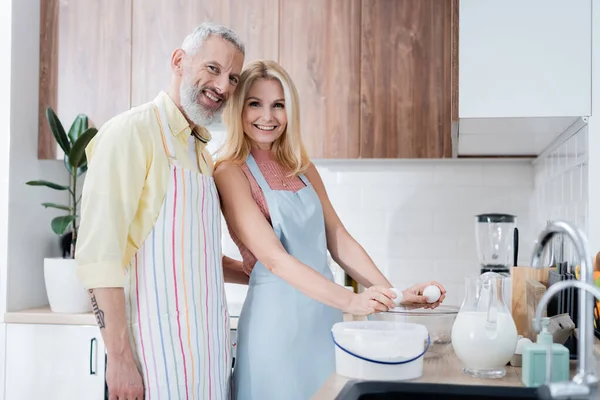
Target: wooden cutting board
{"points": [[535, 290], [520, 275]]}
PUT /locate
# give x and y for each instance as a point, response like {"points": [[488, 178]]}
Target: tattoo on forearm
{"points": [[97, 311]]}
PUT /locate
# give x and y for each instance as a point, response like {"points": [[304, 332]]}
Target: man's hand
{"points": [[233, 271], [122, 375], [413, 296], [123, 379]]}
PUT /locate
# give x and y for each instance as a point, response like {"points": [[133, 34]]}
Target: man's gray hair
{"points": [[194, 40]]}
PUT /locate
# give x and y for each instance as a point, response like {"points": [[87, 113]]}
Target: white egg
{"points": [[521, 343], [399, 296], [432, 293]]}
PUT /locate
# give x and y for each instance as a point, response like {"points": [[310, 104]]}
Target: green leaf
{"points": [[61, 224], [77, 153], [58, 206], [79, 126], [51, 185], [80, 171], [58, 131]]}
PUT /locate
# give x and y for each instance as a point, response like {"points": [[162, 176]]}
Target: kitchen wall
{"points": [[25, 234], [24, 223], [561, 185], [5, 100], [415, 217], [594, 140], [5, 68]]}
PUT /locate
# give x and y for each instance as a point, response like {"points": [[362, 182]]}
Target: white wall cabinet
{"points": [[524, 58], [54, 362]]}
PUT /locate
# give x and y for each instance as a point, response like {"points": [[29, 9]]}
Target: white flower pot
{"points": [[65, 292]]}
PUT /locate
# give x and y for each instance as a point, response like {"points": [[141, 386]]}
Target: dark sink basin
{"points": [[372, 390]]}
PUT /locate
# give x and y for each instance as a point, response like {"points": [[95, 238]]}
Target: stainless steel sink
{"points": [[373, 390]]}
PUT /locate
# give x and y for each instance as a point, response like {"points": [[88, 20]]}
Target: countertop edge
{"points": [[44, 315], [447, 369]]}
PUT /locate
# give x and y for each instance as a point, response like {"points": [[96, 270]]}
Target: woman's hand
{"points": [[374, 299], [413, 296]]}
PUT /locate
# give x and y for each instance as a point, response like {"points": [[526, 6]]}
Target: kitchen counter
{"points": [[44, 315], [447, 369]]}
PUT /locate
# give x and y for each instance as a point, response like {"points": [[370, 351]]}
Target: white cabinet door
{"points": [[54, 362], [524, 58]]}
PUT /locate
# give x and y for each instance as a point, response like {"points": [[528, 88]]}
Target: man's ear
{"points": [[177, 62]]}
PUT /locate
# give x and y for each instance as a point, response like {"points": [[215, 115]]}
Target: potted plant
{"points": [[65, 292]]}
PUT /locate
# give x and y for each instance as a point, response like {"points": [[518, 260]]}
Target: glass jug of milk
{"points": [[484, 335]]}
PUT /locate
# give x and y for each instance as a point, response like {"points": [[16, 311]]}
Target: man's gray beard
{"points": [[193, 110]]}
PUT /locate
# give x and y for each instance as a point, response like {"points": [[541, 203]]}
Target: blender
{"points": [[495, 235]]}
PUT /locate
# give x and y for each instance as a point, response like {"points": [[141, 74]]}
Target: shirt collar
{"points": [[178, 124]]}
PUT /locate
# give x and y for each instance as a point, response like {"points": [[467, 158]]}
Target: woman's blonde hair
{"points": [[288, 149]]}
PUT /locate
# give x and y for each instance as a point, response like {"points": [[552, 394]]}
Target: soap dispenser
{"points": [[533, 372]]}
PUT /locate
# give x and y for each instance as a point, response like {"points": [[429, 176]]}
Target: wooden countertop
{"points": [[446, 369], [44, 315]]}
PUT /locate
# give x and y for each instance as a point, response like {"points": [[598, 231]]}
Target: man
{"points": [[149, 246]]}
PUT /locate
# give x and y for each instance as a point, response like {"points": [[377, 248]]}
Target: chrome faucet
{"points": [[585, 382]]}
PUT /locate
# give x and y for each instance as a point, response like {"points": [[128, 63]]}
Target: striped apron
{"points": [[175, 295]]}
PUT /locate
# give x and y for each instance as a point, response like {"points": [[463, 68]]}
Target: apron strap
{"points": [[260, 179], [165, 130], [304, 179]]}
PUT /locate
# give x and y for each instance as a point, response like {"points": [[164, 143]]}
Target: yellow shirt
{"points": [[125, 185]]}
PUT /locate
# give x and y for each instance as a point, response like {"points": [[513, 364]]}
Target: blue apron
{"points": [[284, 347]]}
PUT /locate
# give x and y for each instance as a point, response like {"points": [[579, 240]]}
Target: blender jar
{"points": [[495, 236]]}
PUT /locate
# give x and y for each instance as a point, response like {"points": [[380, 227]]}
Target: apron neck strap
{"points": [[260, 179], [165, 130], [304, 179]]}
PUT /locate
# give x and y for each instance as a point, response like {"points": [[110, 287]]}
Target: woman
{"points": [[278, 213]]}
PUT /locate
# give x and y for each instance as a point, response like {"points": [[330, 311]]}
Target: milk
{"points": [[483, 346]]}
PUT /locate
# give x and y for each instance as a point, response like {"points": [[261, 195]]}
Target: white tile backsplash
{"points": [[415, 218], [561, 185], [464, 175]]}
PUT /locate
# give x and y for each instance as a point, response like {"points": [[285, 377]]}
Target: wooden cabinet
{"points": [[320, 49], [375, 77], [159, 27], [405, 82], [100, 58], [85, 63], [54, 362]]}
